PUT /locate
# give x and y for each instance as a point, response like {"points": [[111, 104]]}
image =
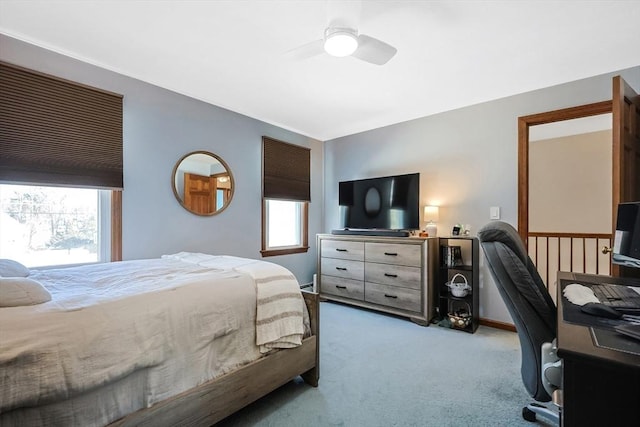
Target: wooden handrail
{"points": [[570, 235]]}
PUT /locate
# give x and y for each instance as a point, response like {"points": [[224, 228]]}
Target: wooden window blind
{"points": [[285, 171], [53, 131]]}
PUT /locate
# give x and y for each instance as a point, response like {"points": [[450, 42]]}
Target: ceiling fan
{"points": [[345, 41]]}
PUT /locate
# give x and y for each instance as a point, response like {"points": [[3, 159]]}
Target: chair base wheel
{"points": [[534, 410], [528, 414]]}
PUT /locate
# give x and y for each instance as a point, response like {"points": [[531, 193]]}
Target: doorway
{"points": [[625, 174], [564, 214], [570, 196]]}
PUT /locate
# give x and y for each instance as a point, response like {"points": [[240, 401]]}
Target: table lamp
{"points": [[431, 215]]}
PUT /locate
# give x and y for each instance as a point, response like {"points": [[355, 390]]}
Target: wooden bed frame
{"points": [[217, 399]]}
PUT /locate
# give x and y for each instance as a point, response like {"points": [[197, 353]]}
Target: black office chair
{"points": [[532, 311]]}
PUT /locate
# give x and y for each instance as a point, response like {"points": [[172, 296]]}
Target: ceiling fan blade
{"points": [[373, 50], [308, 50]]}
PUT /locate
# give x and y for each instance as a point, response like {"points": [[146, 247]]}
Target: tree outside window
{"points": [[42, 226]]}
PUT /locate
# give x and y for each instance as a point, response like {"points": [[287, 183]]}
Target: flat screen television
{"points": [[383, 203], [626, 241]]}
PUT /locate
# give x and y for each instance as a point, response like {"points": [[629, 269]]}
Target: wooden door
{"points": [[626, 151], [199, 193]]}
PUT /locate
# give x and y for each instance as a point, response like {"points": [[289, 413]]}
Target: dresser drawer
{"points": [[392, 296], [396, 275], [342, 268], [347, 288], [342, 249], [393, 253]]}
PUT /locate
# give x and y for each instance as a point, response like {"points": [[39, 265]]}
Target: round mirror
{"points": [[202, 183]]}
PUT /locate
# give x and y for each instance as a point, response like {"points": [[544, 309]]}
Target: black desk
{"points": [[601, 387]]}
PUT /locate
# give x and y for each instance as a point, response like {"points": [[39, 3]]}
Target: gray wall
{"points": [[467, 159], [161, 126]]}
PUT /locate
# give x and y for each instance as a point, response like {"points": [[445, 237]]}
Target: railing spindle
{"points": [[547, 245], [571, 254], [559, 265], [584, 255]]}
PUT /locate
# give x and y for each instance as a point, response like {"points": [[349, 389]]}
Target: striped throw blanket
{"points": [[280, 306], [279, 313]]}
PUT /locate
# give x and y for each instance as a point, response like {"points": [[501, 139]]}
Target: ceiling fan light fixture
{"points": [[340, 41]]}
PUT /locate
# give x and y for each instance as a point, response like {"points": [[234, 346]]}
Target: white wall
{"points": [[467, 159], [160, 127]]}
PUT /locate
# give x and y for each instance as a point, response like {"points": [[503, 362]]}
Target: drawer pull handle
{"points": [[341, 268], [391, 296], [341, 250], [391, 253], [341, 287], [390, 275]]}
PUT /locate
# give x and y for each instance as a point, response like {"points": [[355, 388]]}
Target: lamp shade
{"points": [[431, 213]]}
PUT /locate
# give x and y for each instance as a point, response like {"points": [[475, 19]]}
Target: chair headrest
{"points": [[499, 231]]}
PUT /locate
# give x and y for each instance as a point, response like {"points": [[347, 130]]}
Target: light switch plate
{"points": [[494, 212]]}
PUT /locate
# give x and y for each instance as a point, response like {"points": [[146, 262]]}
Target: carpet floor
{"points": [[381, 370]]}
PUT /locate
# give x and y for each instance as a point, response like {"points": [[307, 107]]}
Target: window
{"points": [[283, 223], [67, 136], [285, 197], [286, 225], [44, 226], [220, 198]]}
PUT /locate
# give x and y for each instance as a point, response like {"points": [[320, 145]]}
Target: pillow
{"points": [[18, 291], [11, 268]]}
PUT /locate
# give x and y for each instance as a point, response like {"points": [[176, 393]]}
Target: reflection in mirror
{"points": [[202, 183]]}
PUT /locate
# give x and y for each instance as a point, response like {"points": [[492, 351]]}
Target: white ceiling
{"points": [[234, 53]]}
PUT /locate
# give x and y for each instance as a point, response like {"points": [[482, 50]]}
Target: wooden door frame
{"points": [[116, 225], [524, 123]]}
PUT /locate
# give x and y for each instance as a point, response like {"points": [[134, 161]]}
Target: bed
{"points": [[185, 339]]}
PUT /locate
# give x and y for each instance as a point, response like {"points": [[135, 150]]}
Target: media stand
{"points": [[389, 274], [370, 232]]}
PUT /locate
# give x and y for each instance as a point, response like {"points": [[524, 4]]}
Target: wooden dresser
{"points": [[391, 274]]}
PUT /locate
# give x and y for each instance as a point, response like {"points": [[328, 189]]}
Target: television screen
{"points": [[389, 203], [626, 241]]}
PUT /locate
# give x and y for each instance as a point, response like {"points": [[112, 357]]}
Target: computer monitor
{"points": [[626, 241]]}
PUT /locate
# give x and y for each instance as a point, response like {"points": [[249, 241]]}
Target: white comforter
{"points": [[159, 316]]}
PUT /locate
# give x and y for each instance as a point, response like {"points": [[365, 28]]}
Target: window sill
{"points": [[285, 251]]}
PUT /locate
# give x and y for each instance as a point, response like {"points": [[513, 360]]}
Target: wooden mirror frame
{"points": [[181, 200]]}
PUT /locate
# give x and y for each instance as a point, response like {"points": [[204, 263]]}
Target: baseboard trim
{"points": [[498, 325], [306, 285]]}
